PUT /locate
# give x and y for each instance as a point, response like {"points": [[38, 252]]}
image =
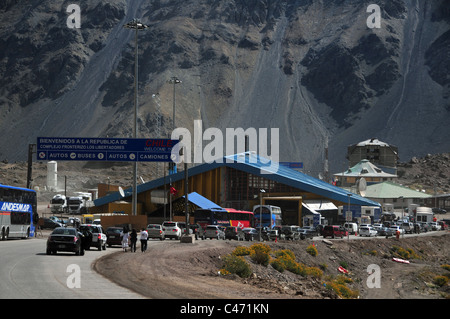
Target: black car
{"points": [[49, 223], [250, 234], [65, 239], [438, 211], [305, 233], [233, 232], [113, 236]]}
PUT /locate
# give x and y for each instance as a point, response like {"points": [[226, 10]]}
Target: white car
{"points": [[395, 228], [98, 235], [435, 226], [367, 231], [171, 230]]}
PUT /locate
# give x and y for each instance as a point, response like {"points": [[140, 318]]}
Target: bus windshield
{"points": [[270, 215]]}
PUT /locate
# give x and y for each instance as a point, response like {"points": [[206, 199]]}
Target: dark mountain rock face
{"points": [[313, 69]]}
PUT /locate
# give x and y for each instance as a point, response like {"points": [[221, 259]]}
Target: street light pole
{"points": [[173, 80], [136, 25]]}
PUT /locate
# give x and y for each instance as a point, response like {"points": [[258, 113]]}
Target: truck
{"points": [[58, 204], [80, 203]]}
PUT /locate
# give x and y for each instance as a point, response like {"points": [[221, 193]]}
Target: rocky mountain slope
{"points": [[313, 69]]}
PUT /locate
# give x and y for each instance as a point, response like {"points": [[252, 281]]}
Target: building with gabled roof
{"points": [[394, 194], [370, 172]]}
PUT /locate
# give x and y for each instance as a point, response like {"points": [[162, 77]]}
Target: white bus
{"points": [[18, 212]]}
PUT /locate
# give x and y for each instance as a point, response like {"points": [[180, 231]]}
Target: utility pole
{"points": [[31, 150]]}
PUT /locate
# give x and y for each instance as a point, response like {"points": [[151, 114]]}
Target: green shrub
{"points": [[312, 250], [314, 272], [242, 251], [341, 289], [278, 265], [260, 254], [285, 252], [404, 253], [440, 280], [446, 267], [236, 265]]}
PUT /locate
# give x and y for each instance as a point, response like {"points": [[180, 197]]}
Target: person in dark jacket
{"points": [[133, 240]]}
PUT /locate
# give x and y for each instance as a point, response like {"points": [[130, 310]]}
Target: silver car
{"points": [[155, 231], [214, 231]]}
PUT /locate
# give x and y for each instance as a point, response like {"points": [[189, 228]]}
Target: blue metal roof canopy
{"points": [[203, 202], [251, 163]]}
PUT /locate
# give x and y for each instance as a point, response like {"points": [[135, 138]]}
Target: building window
{"points": [[244, 186]]}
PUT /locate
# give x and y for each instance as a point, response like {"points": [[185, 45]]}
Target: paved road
{"points": [[27, 272]]}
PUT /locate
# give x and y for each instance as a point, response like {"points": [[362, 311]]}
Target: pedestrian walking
{"points": [[125, 237], [143, 238], [133, 240]]}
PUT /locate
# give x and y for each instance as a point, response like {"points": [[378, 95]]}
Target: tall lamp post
{"points": [[136, 25], [173, 80]]}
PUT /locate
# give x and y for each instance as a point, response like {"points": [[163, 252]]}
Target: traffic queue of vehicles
{"points": [[77, 240]]}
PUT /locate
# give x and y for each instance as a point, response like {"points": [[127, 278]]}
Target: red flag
{"points": [[173, 191]]}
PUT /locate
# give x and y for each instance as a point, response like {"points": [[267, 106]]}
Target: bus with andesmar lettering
{"points": [[18, 212]]}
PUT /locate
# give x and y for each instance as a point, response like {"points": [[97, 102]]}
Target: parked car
{"points": [[65, 239], [265, 231], [443, 224], [250, 234], [396, 228], [377, 226], [214, 231], [367, 231], [197, 230], [290, 232], [171, 230], [385, 231], [424, 227], [305, 233], [438, 211], [334, 231], [234, 232], [435, 226], [57, 219], [113, 236], [351, 227], [98, 235], [316, 231], [274, 234], [155, 231], [50, 223], [408, 227]]}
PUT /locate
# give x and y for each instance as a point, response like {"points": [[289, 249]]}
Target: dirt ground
{"points": [[171, 269]]}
